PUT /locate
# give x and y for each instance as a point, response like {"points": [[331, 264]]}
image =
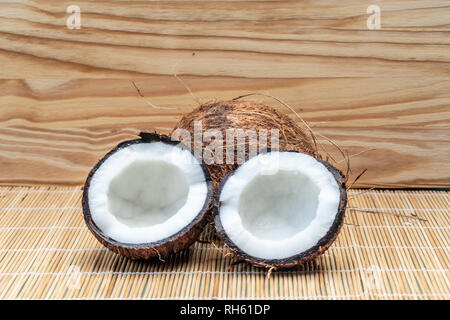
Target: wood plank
{"points": [[386, 89], [53, 131], [252, 39]]}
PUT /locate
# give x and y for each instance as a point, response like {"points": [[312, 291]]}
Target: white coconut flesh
{"points": [[146, 192], [278, 204]]}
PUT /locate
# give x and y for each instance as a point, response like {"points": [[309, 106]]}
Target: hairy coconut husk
{"points": [[234, 114], [159, 249], [239, 114]]}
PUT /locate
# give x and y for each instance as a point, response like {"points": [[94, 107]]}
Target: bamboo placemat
{"points": [[394, 245]]}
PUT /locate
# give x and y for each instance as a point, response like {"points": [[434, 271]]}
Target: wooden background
{"points": [[66, 96]]}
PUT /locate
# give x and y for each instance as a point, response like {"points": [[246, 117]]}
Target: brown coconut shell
{"points": [[319, 248], [238, 114], [175, 243]]}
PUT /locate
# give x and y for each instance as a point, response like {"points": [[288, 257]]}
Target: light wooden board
{"points": [[386, 89], [55, 131], [47, 252], [251, 39]]}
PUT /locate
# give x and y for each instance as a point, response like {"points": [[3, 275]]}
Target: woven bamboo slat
{"points": [[394, 245]]}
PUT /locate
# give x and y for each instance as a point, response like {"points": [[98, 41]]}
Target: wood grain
{"points": [[257, 39], [66, 96], [53, 131]]}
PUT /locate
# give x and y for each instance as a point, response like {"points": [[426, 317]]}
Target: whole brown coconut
{"points": [[237, 114], [246, 115]]}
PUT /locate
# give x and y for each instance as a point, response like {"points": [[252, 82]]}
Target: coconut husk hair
{"points": [[246, 115]]}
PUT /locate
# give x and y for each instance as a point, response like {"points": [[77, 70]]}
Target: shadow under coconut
{"points": [[104, 261], [328, 262], [201, 258], [208, 254]]}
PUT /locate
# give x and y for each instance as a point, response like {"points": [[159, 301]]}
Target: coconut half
{"points": [[147, 197], [280, 209]]}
